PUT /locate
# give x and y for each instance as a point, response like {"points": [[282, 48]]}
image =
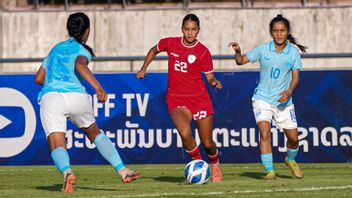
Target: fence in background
{"points": [[132, 59]]}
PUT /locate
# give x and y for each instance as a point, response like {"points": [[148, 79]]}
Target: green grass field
{"points": [[240, 180]]}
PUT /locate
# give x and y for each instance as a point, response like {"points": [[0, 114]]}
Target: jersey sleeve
{"points": [[297, 61], [84, 52], [46, 62], [163, 44], [206, 63], [255, 54]]}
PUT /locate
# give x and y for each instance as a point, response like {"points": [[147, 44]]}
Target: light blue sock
{"points": [[292, 153], [267, 161], [61, 159], [107, 150]]}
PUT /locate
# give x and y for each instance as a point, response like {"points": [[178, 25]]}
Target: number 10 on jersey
{"points": [[275, 73]]}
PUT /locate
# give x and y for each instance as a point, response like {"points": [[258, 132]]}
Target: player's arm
{"points": [[285, 95], [81, 66], [40, 76], [213, 81], [239, 58], [148, 59]]}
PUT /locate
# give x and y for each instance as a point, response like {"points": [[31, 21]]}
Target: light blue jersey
{"points": [[275, 71], [59, 65]]}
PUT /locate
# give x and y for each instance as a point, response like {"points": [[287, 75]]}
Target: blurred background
{"points": [[123, 31]]}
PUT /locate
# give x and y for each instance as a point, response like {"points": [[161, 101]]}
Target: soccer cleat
{"points": [[293, 166], [270, 175], [129, 175], [216, 175], [69, 182]]}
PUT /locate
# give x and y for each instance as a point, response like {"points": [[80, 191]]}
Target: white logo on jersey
{"points": [[191, 58], [180, 66], [175, 55]]}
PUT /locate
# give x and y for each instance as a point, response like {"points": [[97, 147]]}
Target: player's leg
{"points": [[292, 150], [181, 118], [205, 130], [57, 144], [288, 122], [109, 152], [263, 114], [53, 110], [265, 149], [81, 114], [292, 143]]}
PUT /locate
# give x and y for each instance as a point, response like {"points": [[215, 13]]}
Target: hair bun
{"points": [[279, 16]]}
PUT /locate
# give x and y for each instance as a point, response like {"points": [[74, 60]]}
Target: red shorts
{"points": [[199, 104]]}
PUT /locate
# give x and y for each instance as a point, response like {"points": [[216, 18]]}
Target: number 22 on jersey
{"points": [[180, 66]]}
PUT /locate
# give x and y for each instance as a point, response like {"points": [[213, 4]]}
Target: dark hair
{"points": [[77, 24], [280, 18], [191, 17]]}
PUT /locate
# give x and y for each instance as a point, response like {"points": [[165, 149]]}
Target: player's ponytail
{"points": [[77, 24], [280, 18], [293, 40]]}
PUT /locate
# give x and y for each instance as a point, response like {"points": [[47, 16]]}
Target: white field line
{"points": [[321, 188]]}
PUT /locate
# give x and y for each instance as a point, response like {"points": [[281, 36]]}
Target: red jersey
{"points": [[185, 66]]}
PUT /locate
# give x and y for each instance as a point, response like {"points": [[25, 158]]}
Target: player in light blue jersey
{"points": [[63, 96], [280, 64]]}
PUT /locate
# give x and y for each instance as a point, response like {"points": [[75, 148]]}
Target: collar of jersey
{"points": [[286, 49], [189, 46], [71, 39]]}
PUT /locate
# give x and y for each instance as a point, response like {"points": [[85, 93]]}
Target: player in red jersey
{"points": [[187, 97]]}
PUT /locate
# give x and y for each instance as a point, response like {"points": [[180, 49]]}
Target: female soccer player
{"points": [[63, 96], [280, 63], [187, 97]]}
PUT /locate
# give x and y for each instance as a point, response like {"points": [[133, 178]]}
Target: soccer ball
{"points": [[197, 172]]}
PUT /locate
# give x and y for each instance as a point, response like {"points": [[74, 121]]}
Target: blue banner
{"points": [[136, 120]]}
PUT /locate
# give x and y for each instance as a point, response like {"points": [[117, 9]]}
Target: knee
{"points": [[265, 138], [208, 144], [293, 142], [185, 132]]}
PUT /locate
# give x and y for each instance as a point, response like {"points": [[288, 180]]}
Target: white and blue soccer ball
{"points": [[197, 172]]}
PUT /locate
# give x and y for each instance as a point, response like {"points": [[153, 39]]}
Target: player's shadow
{"points": [[256, 175], [93, 188], [57, 187], [54, 187], [170, 179], [283, 176]]}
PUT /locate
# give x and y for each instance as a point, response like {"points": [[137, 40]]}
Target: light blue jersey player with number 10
{"points": [[280, 64]]}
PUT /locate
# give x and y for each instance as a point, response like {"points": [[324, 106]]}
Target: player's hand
{"points": [[216, 83], [235, 46], [140, 74], [285, 95], [101, 94]]}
